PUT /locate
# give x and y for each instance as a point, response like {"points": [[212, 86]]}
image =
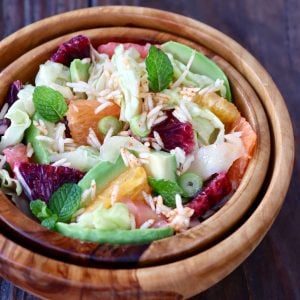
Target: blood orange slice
{"points": [[81, 117]]}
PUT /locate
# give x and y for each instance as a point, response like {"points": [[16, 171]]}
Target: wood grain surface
{"points": [[271, 32]]}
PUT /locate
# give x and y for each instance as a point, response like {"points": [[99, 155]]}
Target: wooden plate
{"points": [[199, 237], [48, 277]]}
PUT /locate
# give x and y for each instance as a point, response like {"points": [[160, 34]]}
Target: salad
{"points": [[123, 144]]}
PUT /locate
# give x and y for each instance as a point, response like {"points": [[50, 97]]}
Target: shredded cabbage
{"points": [[9, 185], [24, 102], [83, 158], [129, 72], [113, 218], [219, 157], [55, 75], [110, 150], [14, 134]]}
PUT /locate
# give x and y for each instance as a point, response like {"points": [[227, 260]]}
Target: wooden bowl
{"points": [[47, 277], [208, 232]]}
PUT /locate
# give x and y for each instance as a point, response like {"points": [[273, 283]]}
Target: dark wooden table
{"points": [[270, 30]]}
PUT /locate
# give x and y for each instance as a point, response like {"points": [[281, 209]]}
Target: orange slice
{"points": [[129, 184], [222, 108], [81, 117]]}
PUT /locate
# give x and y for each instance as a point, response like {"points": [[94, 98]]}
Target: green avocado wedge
{"points": [[201, 64], [41, 153], [135, 236], [103, 173]]}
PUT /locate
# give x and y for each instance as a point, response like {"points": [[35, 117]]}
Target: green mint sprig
{"points": [[49, 103], [62, 205], [159, 69], [65, 201], [167, 189]]}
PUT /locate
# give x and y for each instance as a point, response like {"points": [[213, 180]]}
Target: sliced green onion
{"points": [[109, 122], [191, 183]]}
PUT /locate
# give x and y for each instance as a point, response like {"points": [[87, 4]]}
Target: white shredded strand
{"points": [[147, 224], [68, 141], [214, 87], [62, 162], [178, 201], [4, 110], [179, 155], [185, 72], [93, 140], [45, 139], [124, 156], [158, 139], [59, 137], [29, 150], [177, 113], [102, 107], [124, 133], [155, 146], [2, 161], [114, 194], [187, 163], [160, 208], [154, 111], [160, 119], [40, 125], [144, 155], [148, 198], [108, 134]]}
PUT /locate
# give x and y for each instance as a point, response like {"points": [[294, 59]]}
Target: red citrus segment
{"points": [[142, 213], [176, 134], [249, 138], [41, 181], [76, 47], [16, 154], [109, 48], [81, 117], [213, 192]]}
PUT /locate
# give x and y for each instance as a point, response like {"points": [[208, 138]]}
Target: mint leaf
{"points": [[159, 68], [65, 201], [167, 189], [50, 222], [50, 104], [40, 210]]}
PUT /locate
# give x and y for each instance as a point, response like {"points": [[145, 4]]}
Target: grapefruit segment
{"points": [[81, 117], [16, 154], [249, 138]]}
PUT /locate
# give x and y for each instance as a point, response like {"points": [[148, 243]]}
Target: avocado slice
{"points": [[79, 70], [162, 165], [134, 236], [41, 152], [103, 173], [201, 64]]}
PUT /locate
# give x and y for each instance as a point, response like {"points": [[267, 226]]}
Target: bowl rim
{"points": [[191, 273], [209, 232]]}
